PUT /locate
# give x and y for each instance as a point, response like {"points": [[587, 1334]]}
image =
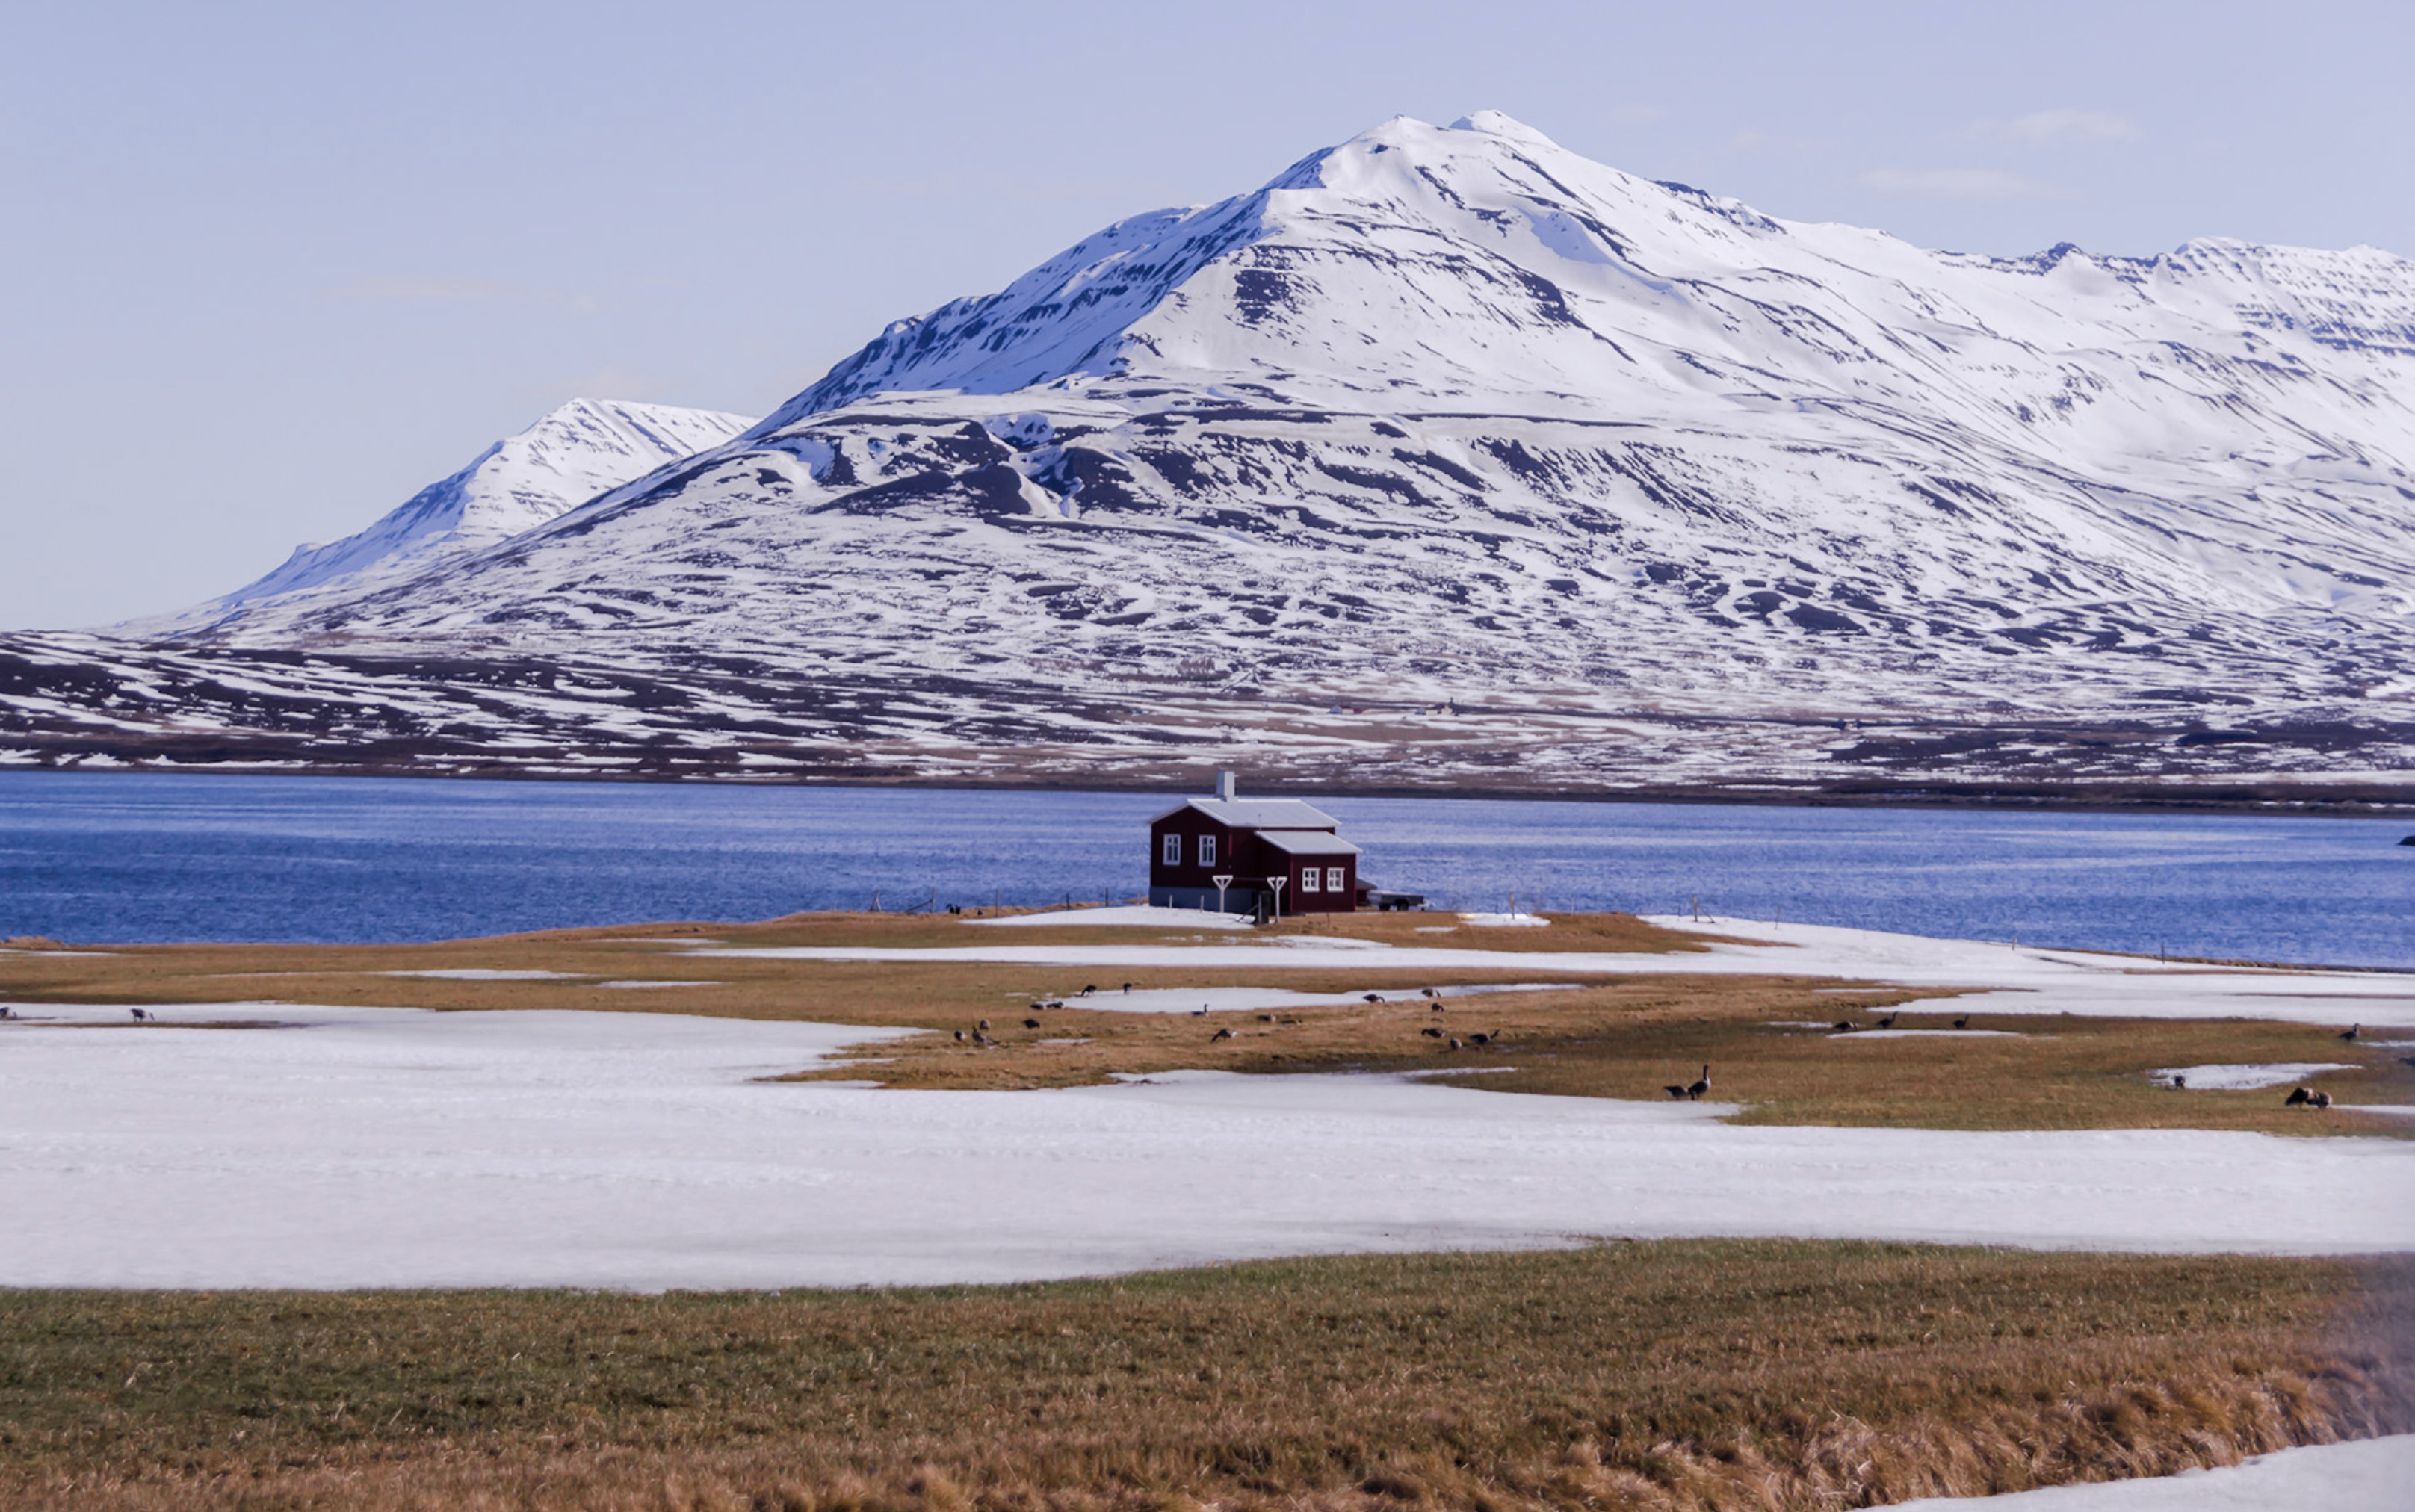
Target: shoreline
{"points": [[2213, 800]]}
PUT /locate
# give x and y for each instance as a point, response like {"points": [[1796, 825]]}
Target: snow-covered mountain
{"points": [[569, 456], [1451, 424]]}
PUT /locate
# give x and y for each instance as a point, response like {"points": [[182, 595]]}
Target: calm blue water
{"points": [[117, 857]]}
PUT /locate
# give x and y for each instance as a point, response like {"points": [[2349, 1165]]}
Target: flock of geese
{"points": [[1848, 1026], [1693, 1091]]}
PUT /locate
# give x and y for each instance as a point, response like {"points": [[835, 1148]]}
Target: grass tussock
{"points": [[1620, 1038], [1703, 1374]]}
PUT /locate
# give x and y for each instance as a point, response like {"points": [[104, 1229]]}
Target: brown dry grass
{"points": [[1694, 1375], [1624, 1038], [1633, 1038]]}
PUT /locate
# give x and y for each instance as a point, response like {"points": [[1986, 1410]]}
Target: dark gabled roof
{"points": [[1256, 813]]}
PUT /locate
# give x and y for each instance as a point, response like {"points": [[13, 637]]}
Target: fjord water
{"points": [[119, 858]]}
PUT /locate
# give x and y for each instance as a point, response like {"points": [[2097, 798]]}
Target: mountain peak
{"points": [[576, 450], [1501, 123]]}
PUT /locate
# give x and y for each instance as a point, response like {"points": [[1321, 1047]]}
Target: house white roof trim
{"points": [[1257, 812], [1307, 842]]}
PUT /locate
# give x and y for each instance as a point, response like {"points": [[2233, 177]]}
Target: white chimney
{"points": [[1228, 786]]}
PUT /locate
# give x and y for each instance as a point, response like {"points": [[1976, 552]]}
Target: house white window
{"points": [[1333, 879], [1206, 850], [1307, 880], [1172, 850]]}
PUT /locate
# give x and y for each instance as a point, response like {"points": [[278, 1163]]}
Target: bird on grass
{"points": [[982, 1025], [2320, 1100], [1199, 1012], [2298, 1097], [2352, 1031], [2180, 1084], [1431, 1032], [1031, 1024], [139, 1016], [1962, 1023], [1128, 988], [1437, 1007], [1219, 1034], [1888, 1022], [1702, 1085], [1374, 998], [1844, 1027], [1430, 992], [1456, 1046], [1675, 1091], [960, 1037]]}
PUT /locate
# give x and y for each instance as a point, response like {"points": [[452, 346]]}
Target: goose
{"points": [[2180, 1084], [1374, 998], [1888, 1022], [1430, 992], [960, 1037], [1479, 1039], [2351, 1032], [1431, 1032], [1675, 1091], [139, 1016], [980, 1039], [1702, 1085], [2320, 1100], [1962, 1023], [982, 1025], [1219, 1034], [1437, 1007], [1456, 1046], [2298, 1097], [1031, 1024], [1128, 988], [1091, 991], [1843, 1026], [1199, 1012]]}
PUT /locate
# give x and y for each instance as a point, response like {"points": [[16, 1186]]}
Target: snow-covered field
{"points": [[381, 1146], [2367, 1475], [2018, 979]]}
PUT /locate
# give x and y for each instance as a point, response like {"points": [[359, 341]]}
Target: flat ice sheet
{"points": [[1244, 999], [390, 1147], [2015, 980], [1927, 1034], [2248, 1078], [2368, 1475], [1127, 915], [484, 974]]}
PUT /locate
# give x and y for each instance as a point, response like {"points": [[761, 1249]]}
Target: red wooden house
{"points": [[1264, 856]]}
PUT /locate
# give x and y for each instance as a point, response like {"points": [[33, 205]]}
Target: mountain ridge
{"points": [[1447, 418]]}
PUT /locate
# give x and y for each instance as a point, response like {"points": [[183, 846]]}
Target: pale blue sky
{"points": [[266, 270]]}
